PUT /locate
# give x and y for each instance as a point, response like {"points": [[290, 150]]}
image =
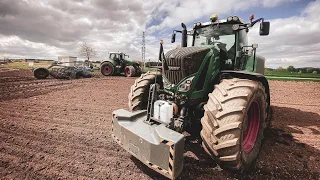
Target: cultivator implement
{"points": [[59, 71]]}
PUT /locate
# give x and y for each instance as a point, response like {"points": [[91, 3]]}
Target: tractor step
{"points": [[157, 146]]}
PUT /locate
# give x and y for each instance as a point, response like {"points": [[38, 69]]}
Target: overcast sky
{"points": [[51, 28]]}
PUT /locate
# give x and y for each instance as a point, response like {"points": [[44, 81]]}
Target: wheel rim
{"points": [[107, 70], [127, 72], [252, 129]]}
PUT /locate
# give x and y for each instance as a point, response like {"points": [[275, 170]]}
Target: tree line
{"points": [[298, 70]]}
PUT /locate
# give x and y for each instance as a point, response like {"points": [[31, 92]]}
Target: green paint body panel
{"points": [[254, 64], [251, 63]]}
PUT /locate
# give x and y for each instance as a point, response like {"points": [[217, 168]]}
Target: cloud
{"points": [[49, 28], [293, 40], [108, 25], [188, 11], [16, 47]]}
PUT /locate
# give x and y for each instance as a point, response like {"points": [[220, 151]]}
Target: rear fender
{"points": [[252, 76], [114, 63]]}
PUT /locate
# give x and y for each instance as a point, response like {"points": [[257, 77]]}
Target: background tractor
{"points": [[117, 64], [218, 81]]}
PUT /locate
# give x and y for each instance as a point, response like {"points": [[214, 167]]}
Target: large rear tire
{"points": [[233, 123], [139, 91], [107, 69]]}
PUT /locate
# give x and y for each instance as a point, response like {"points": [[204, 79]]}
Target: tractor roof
{"points": [[116, 52], [222, 21]]}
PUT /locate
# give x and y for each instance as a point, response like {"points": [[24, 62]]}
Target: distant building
{"points": [[67, 60]]}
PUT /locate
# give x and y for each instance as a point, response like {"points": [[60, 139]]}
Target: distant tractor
{"points": [[216, 83], [118, 64]]}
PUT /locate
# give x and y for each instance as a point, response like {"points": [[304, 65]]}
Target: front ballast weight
{"points": [[156, 145], [60, 71], [151, 135]]}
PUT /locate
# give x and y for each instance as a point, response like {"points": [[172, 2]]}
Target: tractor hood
{"points": [[131, 63], [184, 61]]}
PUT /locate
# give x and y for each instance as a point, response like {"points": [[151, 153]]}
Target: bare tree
{"points": [[5, 59], [87, 51]]}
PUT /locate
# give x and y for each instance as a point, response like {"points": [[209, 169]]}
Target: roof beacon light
{"points": [[235, 18], [214, 17], [251, 17]]}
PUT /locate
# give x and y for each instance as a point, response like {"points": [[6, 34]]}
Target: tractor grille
{"points": [[183, 62]]}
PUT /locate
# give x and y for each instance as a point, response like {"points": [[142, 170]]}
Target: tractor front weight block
{"points": [[157, 146]]}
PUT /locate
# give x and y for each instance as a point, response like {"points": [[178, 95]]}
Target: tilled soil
{"points": [[52, 129]]}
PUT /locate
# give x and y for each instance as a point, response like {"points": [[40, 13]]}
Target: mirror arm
{"points": [[254, 22]]}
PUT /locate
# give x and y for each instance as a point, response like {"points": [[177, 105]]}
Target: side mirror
{"points": [[173, 37], [264, 28]]}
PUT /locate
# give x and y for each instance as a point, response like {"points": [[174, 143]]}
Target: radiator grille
{"points": [[183, 62]]}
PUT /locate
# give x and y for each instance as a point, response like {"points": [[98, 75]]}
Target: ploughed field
{"points": [[54, 128]]}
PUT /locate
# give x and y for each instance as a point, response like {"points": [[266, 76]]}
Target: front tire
{"points": [[139, 91], [233, 123], [129, 71]]}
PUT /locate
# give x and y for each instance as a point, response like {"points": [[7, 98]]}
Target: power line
{"points": [[143, 50]]}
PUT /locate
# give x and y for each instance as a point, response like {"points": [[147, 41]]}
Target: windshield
{"points": [[114, 56], [220, 35]]}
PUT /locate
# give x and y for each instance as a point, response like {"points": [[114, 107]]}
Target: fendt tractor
{"points": [[218, 81], [118, 64]]}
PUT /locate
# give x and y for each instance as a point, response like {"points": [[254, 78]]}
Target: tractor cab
{"points": [[118, 57], [229, 36], [217, 43]]}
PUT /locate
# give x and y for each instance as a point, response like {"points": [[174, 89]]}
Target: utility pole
{"points": [[143, 50]]}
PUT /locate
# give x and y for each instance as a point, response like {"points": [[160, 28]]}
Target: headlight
{"points": [[229, 18], [235, 18], [235, 27], [186, 84]]}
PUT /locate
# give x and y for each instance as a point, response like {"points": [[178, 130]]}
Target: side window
{"points": [[113, 56]]}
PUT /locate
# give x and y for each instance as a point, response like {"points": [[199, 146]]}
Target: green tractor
{"points": [[118, 64], [217, 83]]}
